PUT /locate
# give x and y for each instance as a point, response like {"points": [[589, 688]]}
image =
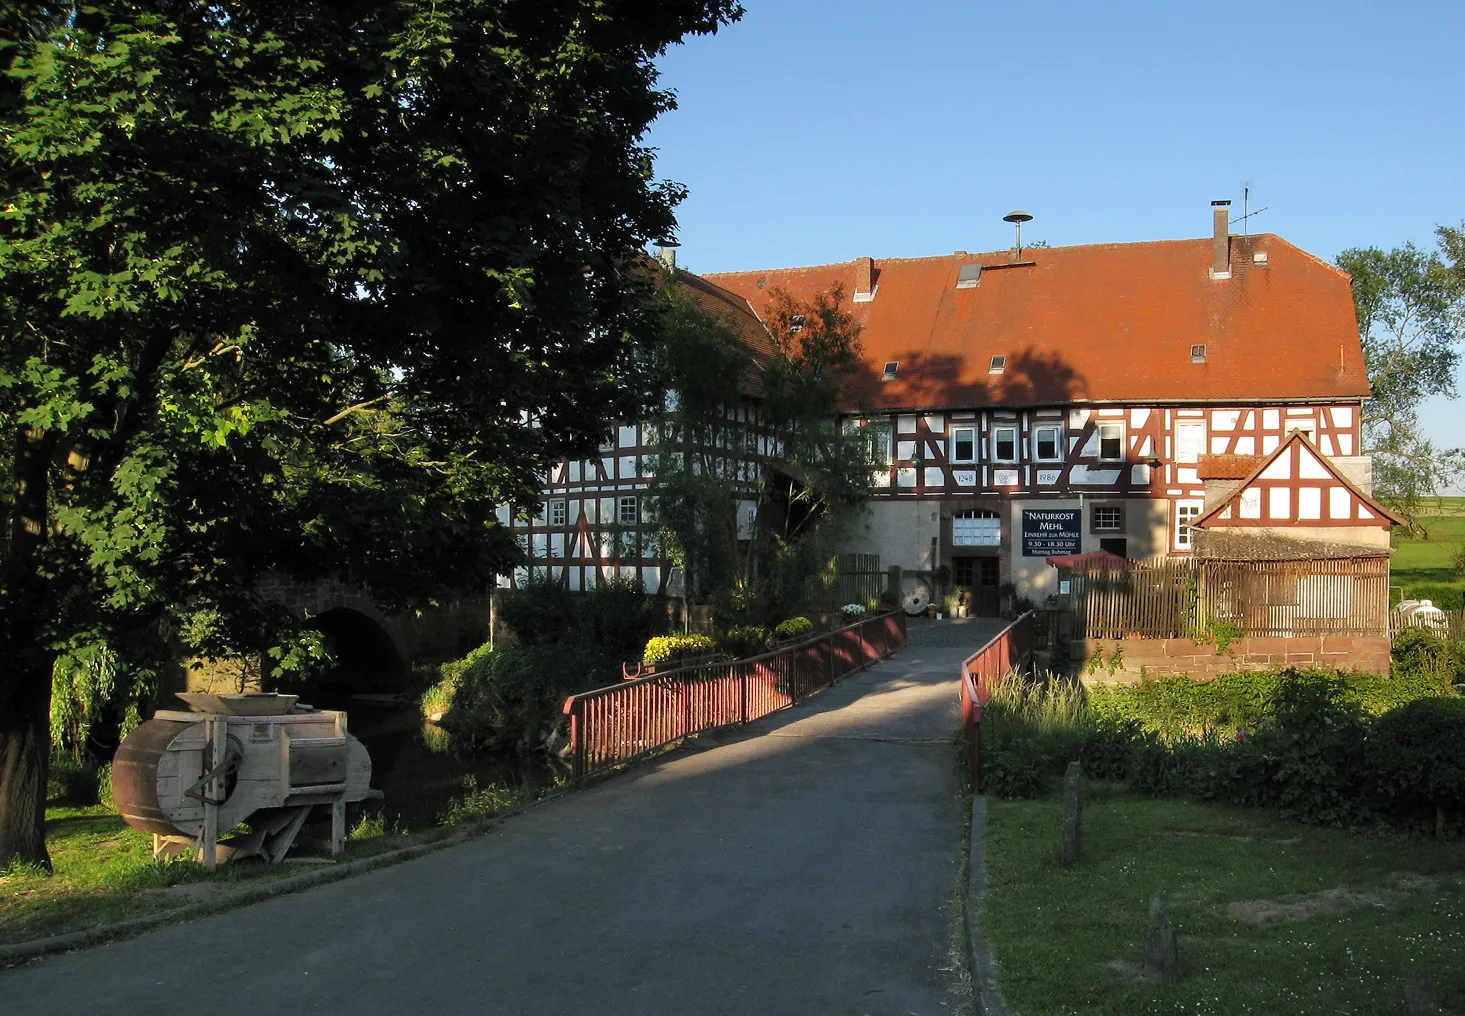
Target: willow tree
{"points": [[751, 426], [1410, 304], [301, 286]]}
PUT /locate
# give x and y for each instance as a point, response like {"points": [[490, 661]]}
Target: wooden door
{"points": [[978, 578]]}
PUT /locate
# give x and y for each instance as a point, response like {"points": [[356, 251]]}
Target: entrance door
{"points": [[978, 578]]}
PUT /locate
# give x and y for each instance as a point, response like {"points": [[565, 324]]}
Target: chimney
{"points": [[864, 280], [1221, 240], [668, 256]]}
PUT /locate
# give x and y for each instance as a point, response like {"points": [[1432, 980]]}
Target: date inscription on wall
{"points": [[1050, 531]]}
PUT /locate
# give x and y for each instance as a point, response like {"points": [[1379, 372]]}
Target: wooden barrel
{"points": [[135, 775]]}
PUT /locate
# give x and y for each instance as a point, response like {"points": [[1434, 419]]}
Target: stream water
{"points": [[420, 768]]}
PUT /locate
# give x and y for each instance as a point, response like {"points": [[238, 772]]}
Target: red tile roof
{"points": [[1107, 322], [1225, 467], [735, 310]]}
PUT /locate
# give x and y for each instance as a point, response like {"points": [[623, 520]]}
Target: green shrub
{"points": [[1315, 733], [1015, 773], [441, 680], [794, 627], [1030, 729], [1416, 758], [75, 782], [666, 648], [740, 643], [615, 619], [515, 694], [542, 611], [1179, 706]]}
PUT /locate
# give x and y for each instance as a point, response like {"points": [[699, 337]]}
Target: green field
{"points": [[1427, 568], [1273, 917]]}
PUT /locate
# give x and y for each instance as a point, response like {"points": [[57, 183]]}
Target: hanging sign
{"points": [[1050, 531]]}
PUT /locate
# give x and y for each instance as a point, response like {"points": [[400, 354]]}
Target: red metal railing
{"points": [[612, 725], [1010, 649]]}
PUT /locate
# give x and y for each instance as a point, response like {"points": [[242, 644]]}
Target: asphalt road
{"points": [[806, 864]]}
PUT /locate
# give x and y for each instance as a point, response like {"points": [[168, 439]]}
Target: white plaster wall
{"points": [[900, 532]]}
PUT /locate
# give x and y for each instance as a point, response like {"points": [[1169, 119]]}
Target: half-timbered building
{"points": [[1023, 405], [1060, 400]]}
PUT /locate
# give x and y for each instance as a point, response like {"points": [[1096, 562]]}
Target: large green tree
{"points": [[306, 286], [1411, 316]]}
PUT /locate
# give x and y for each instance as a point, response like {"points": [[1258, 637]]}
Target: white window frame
{"points": [[1200, 448], [869, 430], [987, 534], [1097, 529], [1099, 429], [635, 506], [952, 439], [1186, 510], [1057, 429], [559, 512], [998, 429]]}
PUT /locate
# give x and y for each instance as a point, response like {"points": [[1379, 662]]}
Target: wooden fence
{"points": [[858, 579], [1179, 598]]}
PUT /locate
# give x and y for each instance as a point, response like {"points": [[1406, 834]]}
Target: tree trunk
{"points": [[25, 665], [25, 749]]}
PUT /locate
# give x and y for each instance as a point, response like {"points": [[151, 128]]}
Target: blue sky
{"points": [[817, 131]]}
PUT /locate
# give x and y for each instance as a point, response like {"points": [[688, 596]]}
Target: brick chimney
{"points": [[864, 280], [1221, 240]]}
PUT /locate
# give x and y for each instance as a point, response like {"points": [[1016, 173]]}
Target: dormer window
{"points": [[1198, 353], [999, 365], [891, 367]]}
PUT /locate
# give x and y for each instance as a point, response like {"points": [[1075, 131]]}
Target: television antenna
{"points": [[1246, 212]]}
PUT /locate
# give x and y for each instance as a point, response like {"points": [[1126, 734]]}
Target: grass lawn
{"points": [[1424, 566], [105, 872], [1273, 916]]}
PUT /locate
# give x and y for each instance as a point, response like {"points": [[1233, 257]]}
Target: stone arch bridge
{"points": [[375, 648]]}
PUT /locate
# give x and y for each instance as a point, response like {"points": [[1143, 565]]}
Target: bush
{"points": [[1416, 758], [514, 695], [540, 612], [666, 648], [794, 627], [1426, 657], [1015, 773], [1315, 734], [615, 619], [740, 643]]}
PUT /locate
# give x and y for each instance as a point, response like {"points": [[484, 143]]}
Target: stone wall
{"points": [[441, 632], [1173, 657]]}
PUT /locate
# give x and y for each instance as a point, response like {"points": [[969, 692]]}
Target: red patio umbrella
{"points": [[1093, 561]]}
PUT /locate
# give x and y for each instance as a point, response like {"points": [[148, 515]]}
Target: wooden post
{"points": [[338, 825], [1162, 957], [216, 732], [1072, 848]]}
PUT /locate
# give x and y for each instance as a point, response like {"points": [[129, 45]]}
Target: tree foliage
{"points": [[282, 287], [755, 424], [1411, 316]]}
